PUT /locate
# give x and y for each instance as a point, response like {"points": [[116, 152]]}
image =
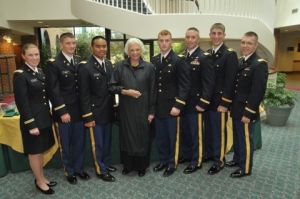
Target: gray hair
{"points": [[134, 41]]}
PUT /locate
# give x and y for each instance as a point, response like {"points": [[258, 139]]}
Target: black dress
{"points": [[134, 125], [33, 106]]}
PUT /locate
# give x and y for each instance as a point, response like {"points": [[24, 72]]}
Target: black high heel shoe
{"points": [[52, 183], [47, 192]]}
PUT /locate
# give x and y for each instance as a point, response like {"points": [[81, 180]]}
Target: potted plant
{"points": [[279, 102]]}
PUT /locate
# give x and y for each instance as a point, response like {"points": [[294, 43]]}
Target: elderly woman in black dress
{"points": [[134, 80], [35, 118]]}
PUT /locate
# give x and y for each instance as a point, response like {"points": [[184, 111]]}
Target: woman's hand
{"points": [[34, 131], [131, 92]]}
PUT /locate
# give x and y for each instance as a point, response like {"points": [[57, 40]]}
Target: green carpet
{"points": [[276, 174]]}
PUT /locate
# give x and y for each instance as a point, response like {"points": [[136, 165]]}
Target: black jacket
{"points": [[172, 83], [31, 98], [226, 64], [250, 87], [62, 83], [96, 101], [202, 80]]}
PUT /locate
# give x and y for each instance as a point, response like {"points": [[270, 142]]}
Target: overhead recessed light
{"points": [[47, 25], [40, 22], [286, 30]]}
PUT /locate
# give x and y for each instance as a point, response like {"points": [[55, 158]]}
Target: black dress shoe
{"points": [[107, 177], [231, 164], [52, 183], [239, 173], [125, 171], [169, 171], [215, 169], [111, 169], [47, 192], [142, 172], [83, 176], [159, 167], [191, 168], [72, 179]]}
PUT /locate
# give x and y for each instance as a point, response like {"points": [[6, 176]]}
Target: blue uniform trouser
{"points": [[167, 140], [193, 128], [72, 140], [243, 147], [101, 136], [215, 136]]}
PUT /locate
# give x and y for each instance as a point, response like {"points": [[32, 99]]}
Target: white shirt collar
{"points": [[217, 48], [67, 56], [192, 51], [100, 61], [247, 57], [165, 54], [35, 69]]}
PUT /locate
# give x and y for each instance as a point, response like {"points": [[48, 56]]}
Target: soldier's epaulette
{"points": [[181, 55], [83, 62], [206, 53], [230, 49], [51, 60], [262, 60], [18, 71], [241, 57]]}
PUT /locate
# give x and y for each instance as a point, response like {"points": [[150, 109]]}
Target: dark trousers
{"points": [[101, 136], [193, 129], [72, 139], [243, 145], [167, 140], [215, 136]]}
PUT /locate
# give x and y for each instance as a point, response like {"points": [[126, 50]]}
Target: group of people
{"points": [[187, 99]]}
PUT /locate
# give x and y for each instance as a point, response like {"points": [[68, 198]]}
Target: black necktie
{"points": [[213, 52], [163, 59], [71, 62], [188, 55]]}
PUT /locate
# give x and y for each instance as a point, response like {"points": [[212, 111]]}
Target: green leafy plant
{"points": [[280, 96]]}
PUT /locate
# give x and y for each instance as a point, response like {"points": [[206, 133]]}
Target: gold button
{"points": [[160, 90]]}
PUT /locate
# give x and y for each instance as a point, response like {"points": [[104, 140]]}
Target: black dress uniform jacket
{"points": [[62, 83], [250, 87], [95, 98], [225, 63], [35, 113], [172, 83], [202, 80]]}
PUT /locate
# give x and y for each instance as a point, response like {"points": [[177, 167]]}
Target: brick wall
{"points": [[7, 49]]}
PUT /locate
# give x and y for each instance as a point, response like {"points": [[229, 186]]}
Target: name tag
{"points": [[65, 72], [34, 80], [195, 62]]}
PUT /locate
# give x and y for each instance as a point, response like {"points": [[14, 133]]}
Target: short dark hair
{"points": [[66, 35], [251, 34], [193, 28], [27, 46], [218, 26], [97, 37]]}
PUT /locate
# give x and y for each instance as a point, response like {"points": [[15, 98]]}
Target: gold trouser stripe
{"points": [[200, 146], [223, 126], [247, 142], [177, 141], [92, 136], [60, 147]]}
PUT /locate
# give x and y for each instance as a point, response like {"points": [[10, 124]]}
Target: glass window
{"points": [[116, 35], [116, 51]]}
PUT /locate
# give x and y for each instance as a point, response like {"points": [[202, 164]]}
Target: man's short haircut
{"points": [[218, 26], [193, 28], [96, 38], [65, 35], [164, 33], [251, 34]]}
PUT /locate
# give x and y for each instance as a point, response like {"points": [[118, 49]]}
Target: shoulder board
{"points": [[261, 60], [51, 59], [18, 71], [181, 55], [206, 53], [83, 62], [240, 57], [230, 49]]}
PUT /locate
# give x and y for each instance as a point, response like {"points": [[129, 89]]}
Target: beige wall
{"points": [[287, 60], [284, 13]]}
